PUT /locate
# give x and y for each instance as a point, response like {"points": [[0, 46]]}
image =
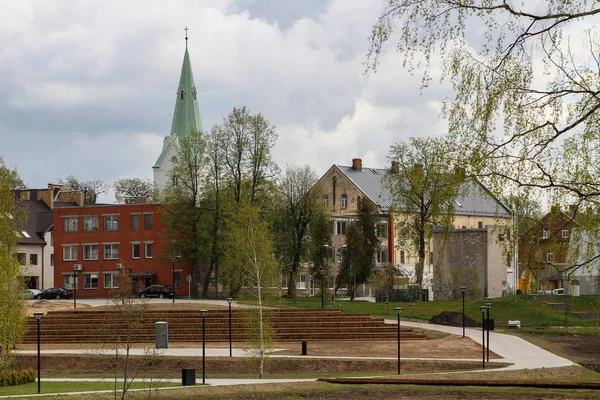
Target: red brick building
{"points": [[109, 241]]}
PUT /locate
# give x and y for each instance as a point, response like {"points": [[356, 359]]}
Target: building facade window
{"points": [[52, 260], [90, 223], [90, 281], [565, 233], [33, 259], [135, 222], [340, 254], [325, 202], [111, 222], [148, 250], [135, 250], [148, 221], [111, 251], [70, 224], [549, 257], [340, 228], [68, 280], [402, 257], [480, 224], [382, 230], [70, 252], [302, 283], [546, 233], [344, 201], [22, 258], [111, 280], [90, 251], [382, 256]]}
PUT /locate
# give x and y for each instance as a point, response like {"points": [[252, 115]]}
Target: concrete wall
{"points": [[474, 258]]}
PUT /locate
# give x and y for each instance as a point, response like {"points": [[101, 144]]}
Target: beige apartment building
{"points": [[476, 208]]}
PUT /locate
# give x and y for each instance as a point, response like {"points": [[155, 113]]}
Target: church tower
{"points": [[186, 119]]}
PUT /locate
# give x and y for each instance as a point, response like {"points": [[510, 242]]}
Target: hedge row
{"points": [[16, 377]]}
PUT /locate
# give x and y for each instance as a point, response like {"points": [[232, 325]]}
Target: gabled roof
{"points": [[39, 220], [474, 198]]}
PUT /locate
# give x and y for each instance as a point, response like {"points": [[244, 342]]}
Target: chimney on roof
{"points": [[136, 200], [357, 164], [395, 167]]}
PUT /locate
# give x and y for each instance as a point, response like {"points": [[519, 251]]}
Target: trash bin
{"points": [[489, 324], [161, 332], [304, 348], [188, 376]]}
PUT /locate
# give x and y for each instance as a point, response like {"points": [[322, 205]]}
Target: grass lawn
{"points": [[61, 387], [523, 308]]}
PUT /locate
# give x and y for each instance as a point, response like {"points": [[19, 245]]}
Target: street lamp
{"points": [[173, 276], [76, 268], [322, 272], [463, 289], [398, 311], [229, 301], [488, 305], [38, 316], [203, 313], [482, 308]]}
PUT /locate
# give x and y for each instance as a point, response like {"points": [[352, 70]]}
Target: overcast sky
{"points": [[88, 88]]}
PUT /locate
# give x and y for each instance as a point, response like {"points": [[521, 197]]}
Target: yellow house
{"points": [[342, 187]]}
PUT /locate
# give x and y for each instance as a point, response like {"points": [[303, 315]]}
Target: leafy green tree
{"points": [[298, 203], [248, 166], [423, 186], [241, 169], [91, 189], [250, 260], [525, 104], [184, 213], [12, 306], [13, 176], [362, 243], [321, 254], [134, 187]]}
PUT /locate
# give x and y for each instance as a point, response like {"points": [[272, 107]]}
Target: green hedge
{"points": [[16, 377]]}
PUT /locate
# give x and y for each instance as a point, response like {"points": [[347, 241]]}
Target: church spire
{"points": [[186, 117]]}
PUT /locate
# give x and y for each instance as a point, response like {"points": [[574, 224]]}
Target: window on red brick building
{"points": [[111, 251], [135, 250], [111, 222], [148, 221]]}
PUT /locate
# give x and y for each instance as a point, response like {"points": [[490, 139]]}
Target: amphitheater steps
{"points": [[90, 326]]}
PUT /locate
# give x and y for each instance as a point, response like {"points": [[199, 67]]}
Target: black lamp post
{"points": [[173, 275], [322, 272], [463, 289], [76, 268], [482, 308], [229, 301], [38, 317], [203, 313], [398, 311], [488, 305]]}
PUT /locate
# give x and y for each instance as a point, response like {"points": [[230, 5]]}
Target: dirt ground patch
{"points": [[449, 346], [49, 305], [321, 390], [582, 349], [100, 365]]}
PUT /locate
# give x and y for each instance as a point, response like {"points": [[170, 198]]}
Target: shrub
{"points": [[16, 377]]}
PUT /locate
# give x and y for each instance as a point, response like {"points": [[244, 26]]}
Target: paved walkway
{"points": [[512, 349]]}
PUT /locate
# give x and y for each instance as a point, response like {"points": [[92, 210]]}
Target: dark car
{"points": [[54, 293], [160, 291]]}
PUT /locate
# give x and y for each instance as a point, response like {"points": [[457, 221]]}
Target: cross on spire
{"points": [[186, 37]]}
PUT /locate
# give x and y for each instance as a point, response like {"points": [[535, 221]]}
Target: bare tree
{"points": [[91, 189]]}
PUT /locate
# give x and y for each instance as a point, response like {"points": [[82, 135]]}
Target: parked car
{"points": [[30, 293], [160, 291], [558, 292], [54, 293]]}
